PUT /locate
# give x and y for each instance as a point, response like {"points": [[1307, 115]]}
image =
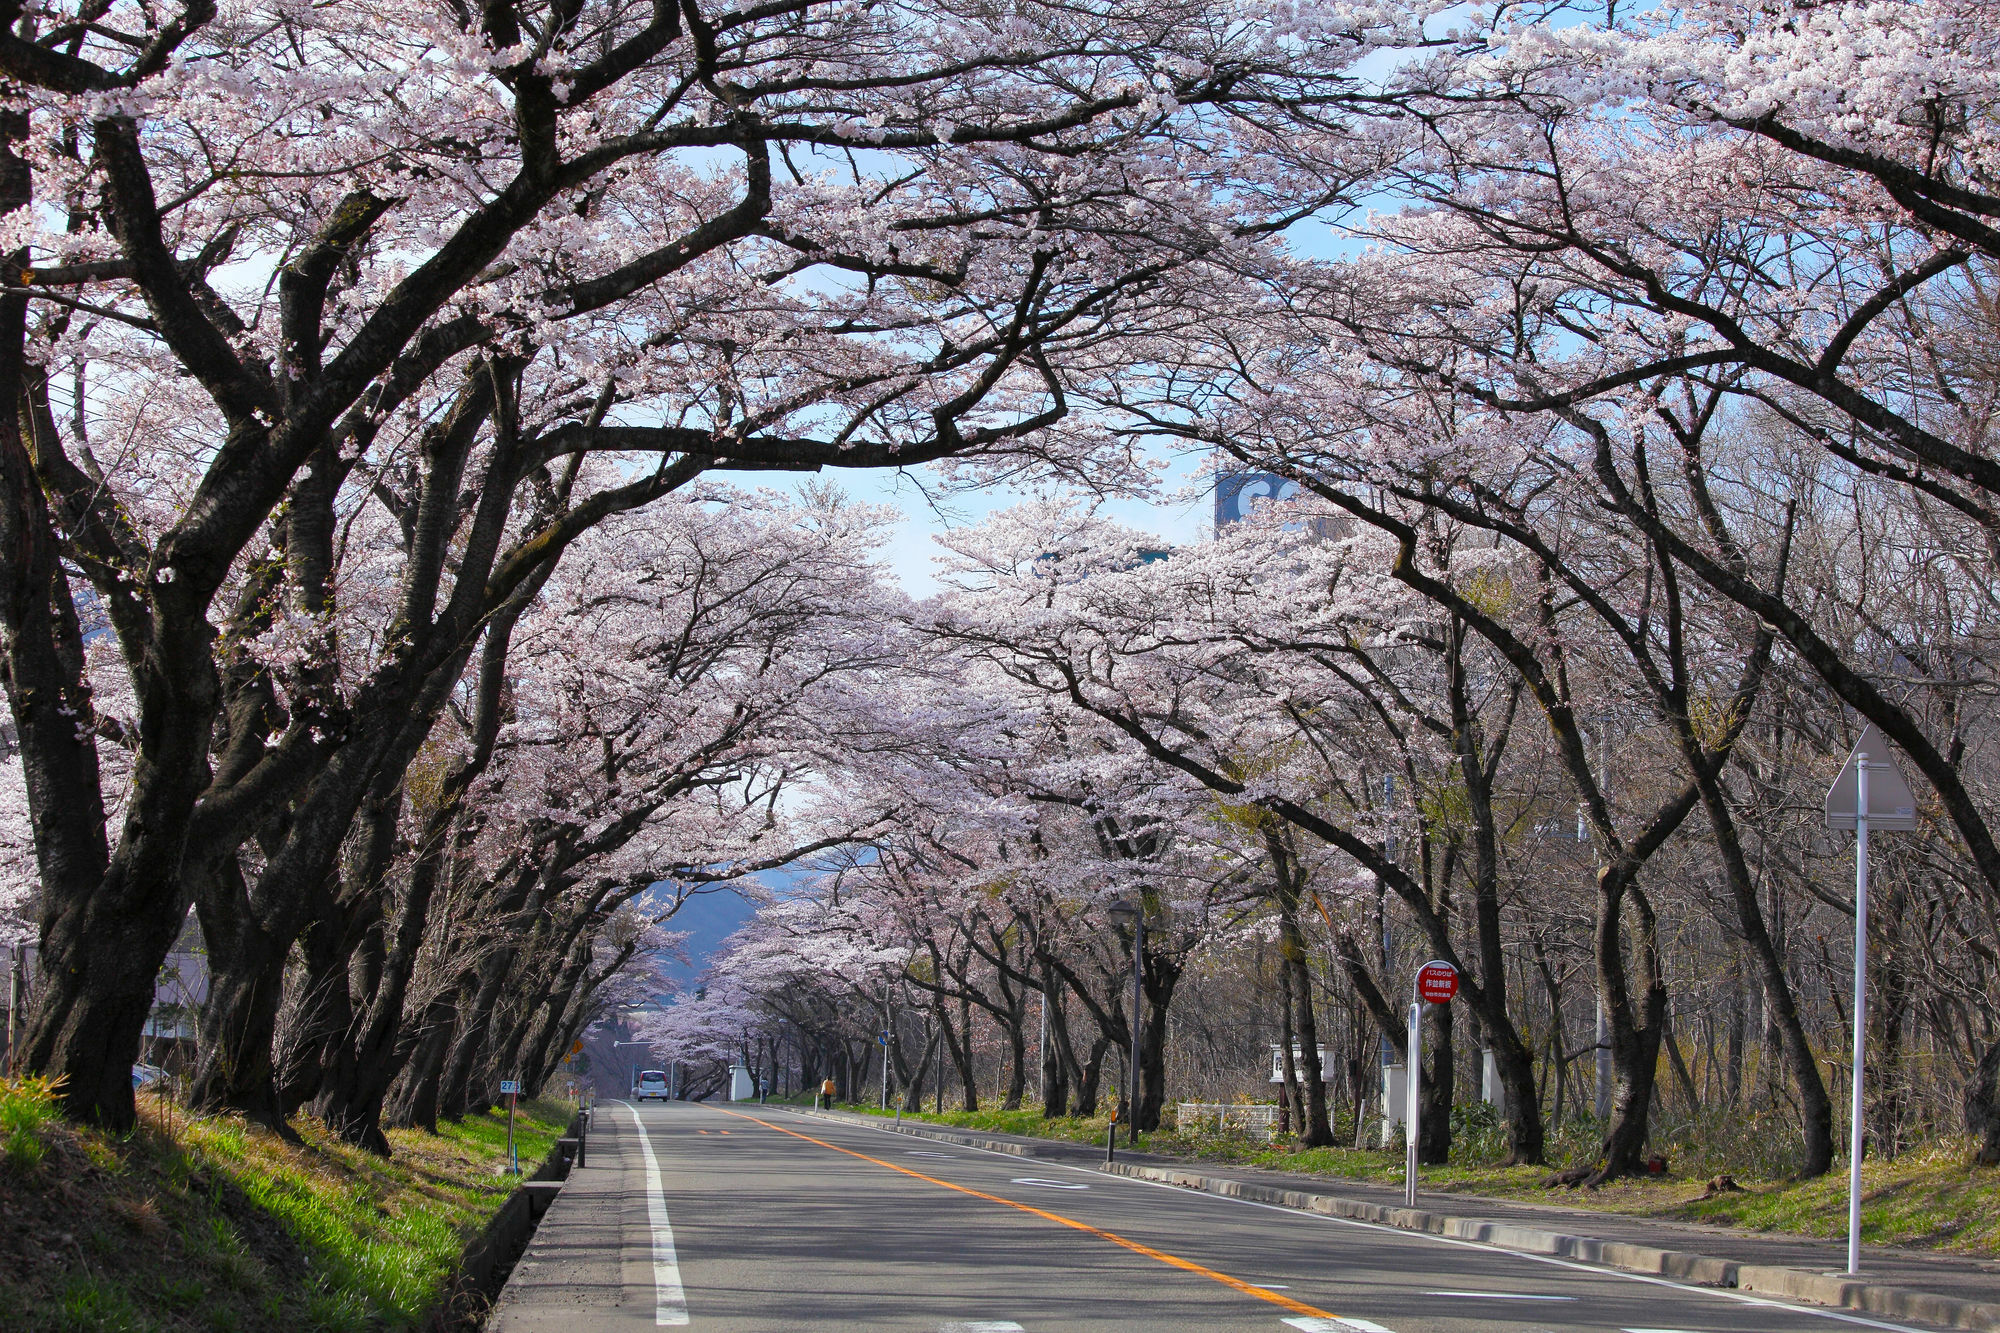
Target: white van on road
{"points": [[652, 1083]]}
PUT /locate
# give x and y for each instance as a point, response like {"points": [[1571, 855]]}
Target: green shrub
{"points": [[26, 1105]]}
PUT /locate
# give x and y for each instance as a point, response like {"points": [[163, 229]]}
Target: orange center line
{"points": [[1171, 1260]]}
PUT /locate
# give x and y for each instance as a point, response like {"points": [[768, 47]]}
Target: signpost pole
{"points": [[513, 1158], [1436, 982], [1869, 796], [1412, 1076], [1854, 1126], [885, 1069]]}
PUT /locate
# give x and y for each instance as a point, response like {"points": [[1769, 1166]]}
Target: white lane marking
{"points": [[1271, 1286], [1179, 1192], [1512, 1296], [919, 1152], [982, 1326], [670, 1308], [1314, 1324], [1048, 1184], [1655, 1330]]}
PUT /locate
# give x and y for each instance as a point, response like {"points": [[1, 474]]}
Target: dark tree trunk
{"points": [[914, 1079], [107, 919], [1289, 890], [239, 1021], [1435, 1090], [469, 1042], [413, 1103], [1781, 1005], [315, 1016], [1982, 1107], [1634, 1030], [963, 1059], [1159, 977], [1291, 1100], [1314, 1131], [1089, 1083], [1017, 1067], [543, 1033], [1056, 1056]]}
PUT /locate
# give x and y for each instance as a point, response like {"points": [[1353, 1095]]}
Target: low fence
{"points": [[1259, 1122]]}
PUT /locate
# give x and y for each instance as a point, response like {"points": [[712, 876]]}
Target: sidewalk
{"points": [[590, 1262], [1951, 1290]]}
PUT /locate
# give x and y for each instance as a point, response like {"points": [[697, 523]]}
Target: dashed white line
{"points": [[982, 1326], [1048, 1184], [1314, 1324], [670, 1308], [1502, 1296]]}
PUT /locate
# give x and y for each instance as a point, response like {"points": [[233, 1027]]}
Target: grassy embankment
{"points": [[1927, 1197], [207, 1224]]}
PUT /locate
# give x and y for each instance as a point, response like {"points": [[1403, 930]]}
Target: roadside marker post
{"points": [[511, 1090], [1869, 794], [1436, 982]]}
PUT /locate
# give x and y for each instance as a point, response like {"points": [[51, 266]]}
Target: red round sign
{"points": [[1437, 981]]}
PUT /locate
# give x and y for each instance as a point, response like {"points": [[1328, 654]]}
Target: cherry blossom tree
{"points": [[477, 281]]}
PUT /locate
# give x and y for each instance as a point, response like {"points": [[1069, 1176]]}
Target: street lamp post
{"points": [[1133, 911]]}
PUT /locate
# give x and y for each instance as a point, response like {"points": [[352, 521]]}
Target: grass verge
{"points": [[1927, 1198], [209, 1224]]}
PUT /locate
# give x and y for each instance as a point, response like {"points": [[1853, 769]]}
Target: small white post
{"points": [[1412, 1080], [513, 1157], [1854, 1127]]}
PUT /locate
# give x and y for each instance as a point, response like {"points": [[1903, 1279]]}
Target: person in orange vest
{"points": [[826, 1092]]}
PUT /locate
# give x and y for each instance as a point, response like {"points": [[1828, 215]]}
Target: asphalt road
{"points": [[765, 1219]]}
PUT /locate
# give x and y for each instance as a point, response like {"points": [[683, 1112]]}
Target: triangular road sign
{"points": [[1890, 804]]}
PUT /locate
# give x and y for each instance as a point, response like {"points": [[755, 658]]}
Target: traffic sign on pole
{"points": [[1437, 982], [1891, 806], [1870, 794]]}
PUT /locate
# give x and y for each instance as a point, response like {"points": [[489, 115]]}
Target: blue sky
{"points": [[1179, 513]]}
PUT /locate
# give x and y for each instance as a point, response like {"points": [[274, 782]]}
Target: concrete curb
{"points": [[1791, 1283], [1795, 1284]]}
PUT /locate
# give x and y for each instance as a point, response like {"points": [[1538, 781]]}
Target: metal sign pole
{"points": [[1860, 1010], [1870, 795], [1412, 1076]]}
